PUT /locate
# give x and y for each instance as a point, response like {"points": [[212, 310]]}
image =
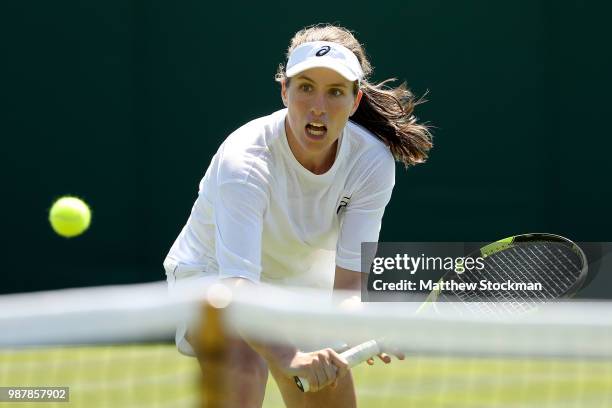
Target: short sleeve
{"points": [[238, 219], [363, 216]]}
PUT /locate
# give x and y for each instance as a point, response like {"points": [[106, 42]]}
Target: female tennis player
{"points": [[288, 199]]}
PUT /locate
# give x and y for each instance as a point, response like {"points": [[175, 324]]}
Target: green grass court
{"points": [[157, 376]]}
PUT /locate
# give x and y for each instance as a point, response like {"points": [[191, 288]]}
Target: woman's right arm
{"points": [[321, 368], [239, 215]]}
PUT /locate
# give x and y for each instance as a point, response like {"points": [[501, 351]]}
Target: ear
{"points": [[357, 100], [284, 92]]}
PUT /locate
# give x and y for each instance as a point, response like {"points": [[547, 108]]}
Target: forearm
{"points": [[347, 287], [319, 368], [347, 280], [277, 353]]}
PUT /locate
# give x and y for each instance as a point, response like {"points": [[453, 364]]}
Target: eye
{"points": [[305, 87], [336, 92]]}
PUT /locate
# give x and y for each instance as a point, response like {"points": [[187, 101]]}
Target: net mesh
{"points": [[114, 347], [120, 375]]}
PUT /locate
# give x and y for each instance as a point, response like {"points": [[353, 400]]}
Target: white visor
{"points": [[323, 54]]}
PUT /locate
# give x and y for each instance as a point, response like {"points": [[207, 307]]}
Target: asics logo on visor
{"points": [[324, 50]]}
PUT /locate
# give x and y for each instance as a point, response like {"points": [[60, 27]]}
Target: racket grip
{"points": [[353, 356]]}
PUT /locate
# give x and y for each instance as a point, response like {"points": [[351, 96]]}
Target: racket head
{"points": [[564, 245], [555, 261]]}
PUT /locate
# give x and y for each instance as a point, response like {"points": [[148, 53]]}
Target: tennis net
{"points": [[113, 346]]}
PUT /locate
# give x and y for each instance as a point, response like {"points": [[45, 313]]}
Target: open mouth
{"points": [[316, 130]]}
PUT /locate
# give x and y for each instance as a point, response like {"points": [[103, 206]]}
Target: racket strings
{"points": [[555, 266], [552, 264]]}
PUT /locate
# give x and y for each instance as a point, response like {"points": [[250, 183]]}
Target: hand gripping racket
{"points": [[353, 356], [555, 262]]}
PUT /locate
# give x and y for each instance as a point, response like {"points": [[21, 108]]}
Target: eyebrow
{"points": [[337, 85]]}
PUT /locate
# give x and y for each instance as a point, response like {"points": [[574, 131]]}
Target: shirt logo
{"points": [[343, 203], [323, 50]]}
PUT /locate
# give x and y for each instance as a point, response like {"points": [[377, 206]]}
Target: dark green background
{"points": [[124, 103]]}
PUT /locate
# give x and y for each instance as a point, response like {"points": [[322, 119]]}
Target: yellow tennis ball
{"points": [[69, 216]]}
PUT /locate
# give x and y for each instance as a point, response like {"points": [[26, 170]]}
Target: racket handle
{"points": [[353, 356]]}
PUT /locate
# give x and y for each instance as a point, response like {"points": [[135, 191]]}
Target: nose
{"points": [[319, 105]]}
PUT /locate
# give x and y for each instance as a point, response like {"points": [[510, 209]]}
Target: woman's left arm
{"points": [[346, 279]]}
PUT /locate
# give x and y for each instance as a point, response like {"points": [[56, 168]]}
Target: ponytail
{"points": [[388, 114]]}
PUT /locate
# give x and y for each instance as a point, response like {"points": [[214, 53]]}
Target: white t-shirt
{"points": [[262, 216]]}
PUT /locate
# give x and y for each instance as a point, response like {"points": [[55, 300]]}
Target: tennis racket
{"points": [[555, 262]]}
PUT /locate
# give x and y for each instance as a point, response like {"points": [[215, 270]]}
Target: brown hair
{"points": [[383, 110]]}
